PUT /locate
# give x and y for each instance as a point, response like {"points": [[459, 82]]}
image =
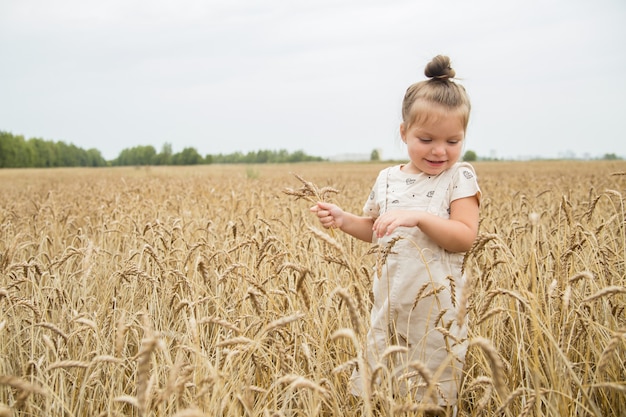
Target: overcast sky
{"points": [[327, 77]]}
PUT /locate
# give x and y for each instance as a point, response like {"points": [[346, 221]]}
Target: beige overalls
{"points": [[417, 289]]}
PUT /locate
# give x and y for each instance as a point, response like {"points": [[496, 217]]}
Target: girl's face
{"points": [[434, 143]]}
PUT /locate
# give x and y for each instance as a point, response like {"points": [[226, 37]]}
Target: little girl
{"points": [[423, 215]]}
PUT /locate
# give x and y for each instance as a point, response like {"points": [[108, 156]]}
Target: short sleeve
{"points": [[465, 183], [373, 203]]}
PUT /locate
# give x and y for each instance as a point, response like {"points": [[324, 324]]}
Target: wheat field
{"points": [[212, 291]]}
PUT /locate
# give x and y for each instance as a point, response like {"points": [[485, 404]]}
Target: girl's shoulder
{"points": [[464, 182], [462, 164], [387, 172], [389, 169], [464, 170]]}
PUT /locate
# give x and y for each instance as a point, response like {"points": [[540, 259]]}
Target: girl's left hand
{"points": [[388, 222]]}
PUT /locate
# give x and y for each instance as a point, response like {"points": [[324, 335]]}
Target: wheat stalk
{"points": [[610, 290], [610, 348], [190, 412], [464, 299], [487, 385], [149, 343], [352, 310], [326, 238], [219, 321], [283, 322], [238, 340], [55, 329], [309, 191], [495, 362], [67, 364], [20, 384]]}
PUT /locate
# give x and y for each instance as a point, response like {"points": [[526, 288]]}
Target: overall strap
{"points": [[382, 190], [441, 189]]}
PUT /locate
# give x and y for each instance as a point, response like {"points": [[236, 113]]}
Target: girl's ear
{"points": [[403, 132]]}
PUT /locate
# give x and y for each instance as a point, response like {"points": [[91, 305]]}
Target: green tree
{"points": [[263, 157], [188, 156], [375, 155], [12, 150], [15, 152], [95, 158], [46, 153], [297, 156], [260, 157], [138, 155], [68, 155], [165, 157], [470, 156]]}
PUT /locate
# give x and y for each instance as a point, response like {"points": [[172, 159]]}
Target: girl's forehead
{"points": [[435, 109], [436, 114], [426, 112]]}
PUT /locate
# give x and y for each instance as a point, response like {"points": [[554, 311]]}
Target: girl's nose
{"points": [[439, 150]]}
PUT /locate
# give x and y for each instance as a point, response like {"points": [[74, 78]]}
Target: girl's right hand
{"points": [[329, 215]]}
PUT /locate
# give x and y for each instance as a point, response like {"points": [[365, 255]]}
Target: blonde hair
{"points": [[439, 90]]}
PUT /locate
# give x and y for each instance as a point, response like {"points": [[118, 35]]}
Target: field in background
{"points": [[209, 291]]}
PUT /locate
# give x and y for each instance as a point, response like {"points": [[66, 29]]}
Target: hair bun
{"points": [[439, 67]]}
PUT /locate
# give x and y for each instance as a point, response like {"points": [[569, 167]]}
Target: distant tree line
{"points": [[17, 152], [263, 157], [147, 155]]}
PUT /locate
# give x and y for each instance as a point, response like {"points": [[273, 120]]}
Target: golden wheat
{"points": [[200, 291]]}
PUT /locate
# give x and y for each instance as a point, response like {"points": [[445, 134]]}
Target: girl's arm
{"points": [[331, 216], [456, 234]]}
